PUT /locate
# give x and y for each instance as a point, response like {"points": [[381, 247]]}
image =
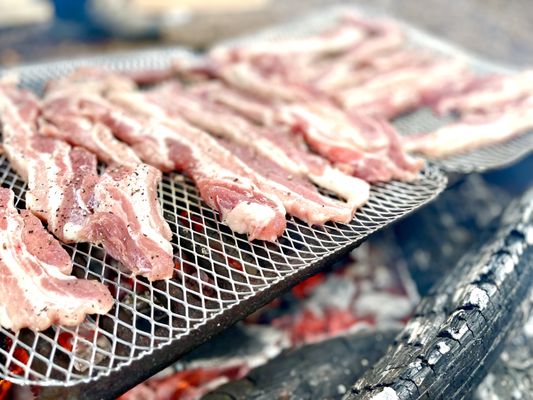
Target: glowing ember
{"points": [[233, 263], [309, 326], [185, 385], [306, 287], [20, 355], [185, 218], [5, 387], [65, 340]]}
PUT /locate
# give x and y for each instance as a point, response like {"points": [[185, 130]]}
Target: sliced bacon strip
{"points": [[488, 93], [300, 198], [128, 222], [36, 291], [350, 149], [334, 40], [60, 181], [278, 146], [252, 108], [344, 70], [383, 39], [19, 110], [219, 176], [295, 195], [298, 69], [474, 131], [245, 77], [345, 75], [59, 178], [67, 115], [284, 69], [394, 92], [64, 189], [365, 147]]}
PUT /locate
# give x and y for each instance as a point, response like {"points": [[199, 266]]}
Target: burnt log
{"points": [[317, 371], [459, 328], [512, 373]]}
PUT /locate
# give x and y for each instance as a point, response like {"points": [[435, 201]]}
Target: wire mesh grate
{"points": [[215, 270]]}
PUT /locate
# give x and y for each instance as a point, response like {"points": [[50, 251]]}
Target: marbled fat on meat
{"points": [[366, 147], [69, 112], [474, 131], [220, 177], [65, 190], [35, 289], [286, 154], [127, 220]]}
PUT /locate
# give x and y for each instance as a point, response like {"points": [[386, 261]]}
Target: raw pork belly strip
{"points": [[353, 149], [242, 205], [128, 222], [279, 147], [394, 92], [216, 172], [365, 70], [63, 188], [344, 70], [387, 87], [245, 77], [35, 288], [59, 178], [383, 79], [364, 147], [474, 130], [337, 39], [298, 197], [292, 69], [489, 93], [67, 115], [286, 69]]}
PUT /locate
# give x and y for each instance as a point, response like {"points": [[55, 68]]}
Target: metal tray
{"points": [[219, 278], [422, 120]]}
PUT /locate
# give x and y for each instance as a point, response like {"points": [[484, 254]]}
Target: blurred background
{"points": [[33, 30]]}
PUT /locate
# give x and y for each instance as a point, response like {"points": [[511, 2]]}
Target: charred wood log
{"points": [[317, 371], [511, 376], [458, 330]]}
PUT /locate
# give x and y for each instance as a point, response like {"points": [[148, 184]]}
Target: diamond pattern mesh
{"points": [[215, 269]]}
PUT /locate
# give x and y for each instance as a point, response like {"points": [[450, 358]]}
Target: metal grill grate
{"points": [[215, 271]]}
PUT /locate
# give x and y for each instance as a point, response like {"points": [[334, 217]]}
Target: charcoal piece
{"points": [[322, 370], [459, 328]]}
